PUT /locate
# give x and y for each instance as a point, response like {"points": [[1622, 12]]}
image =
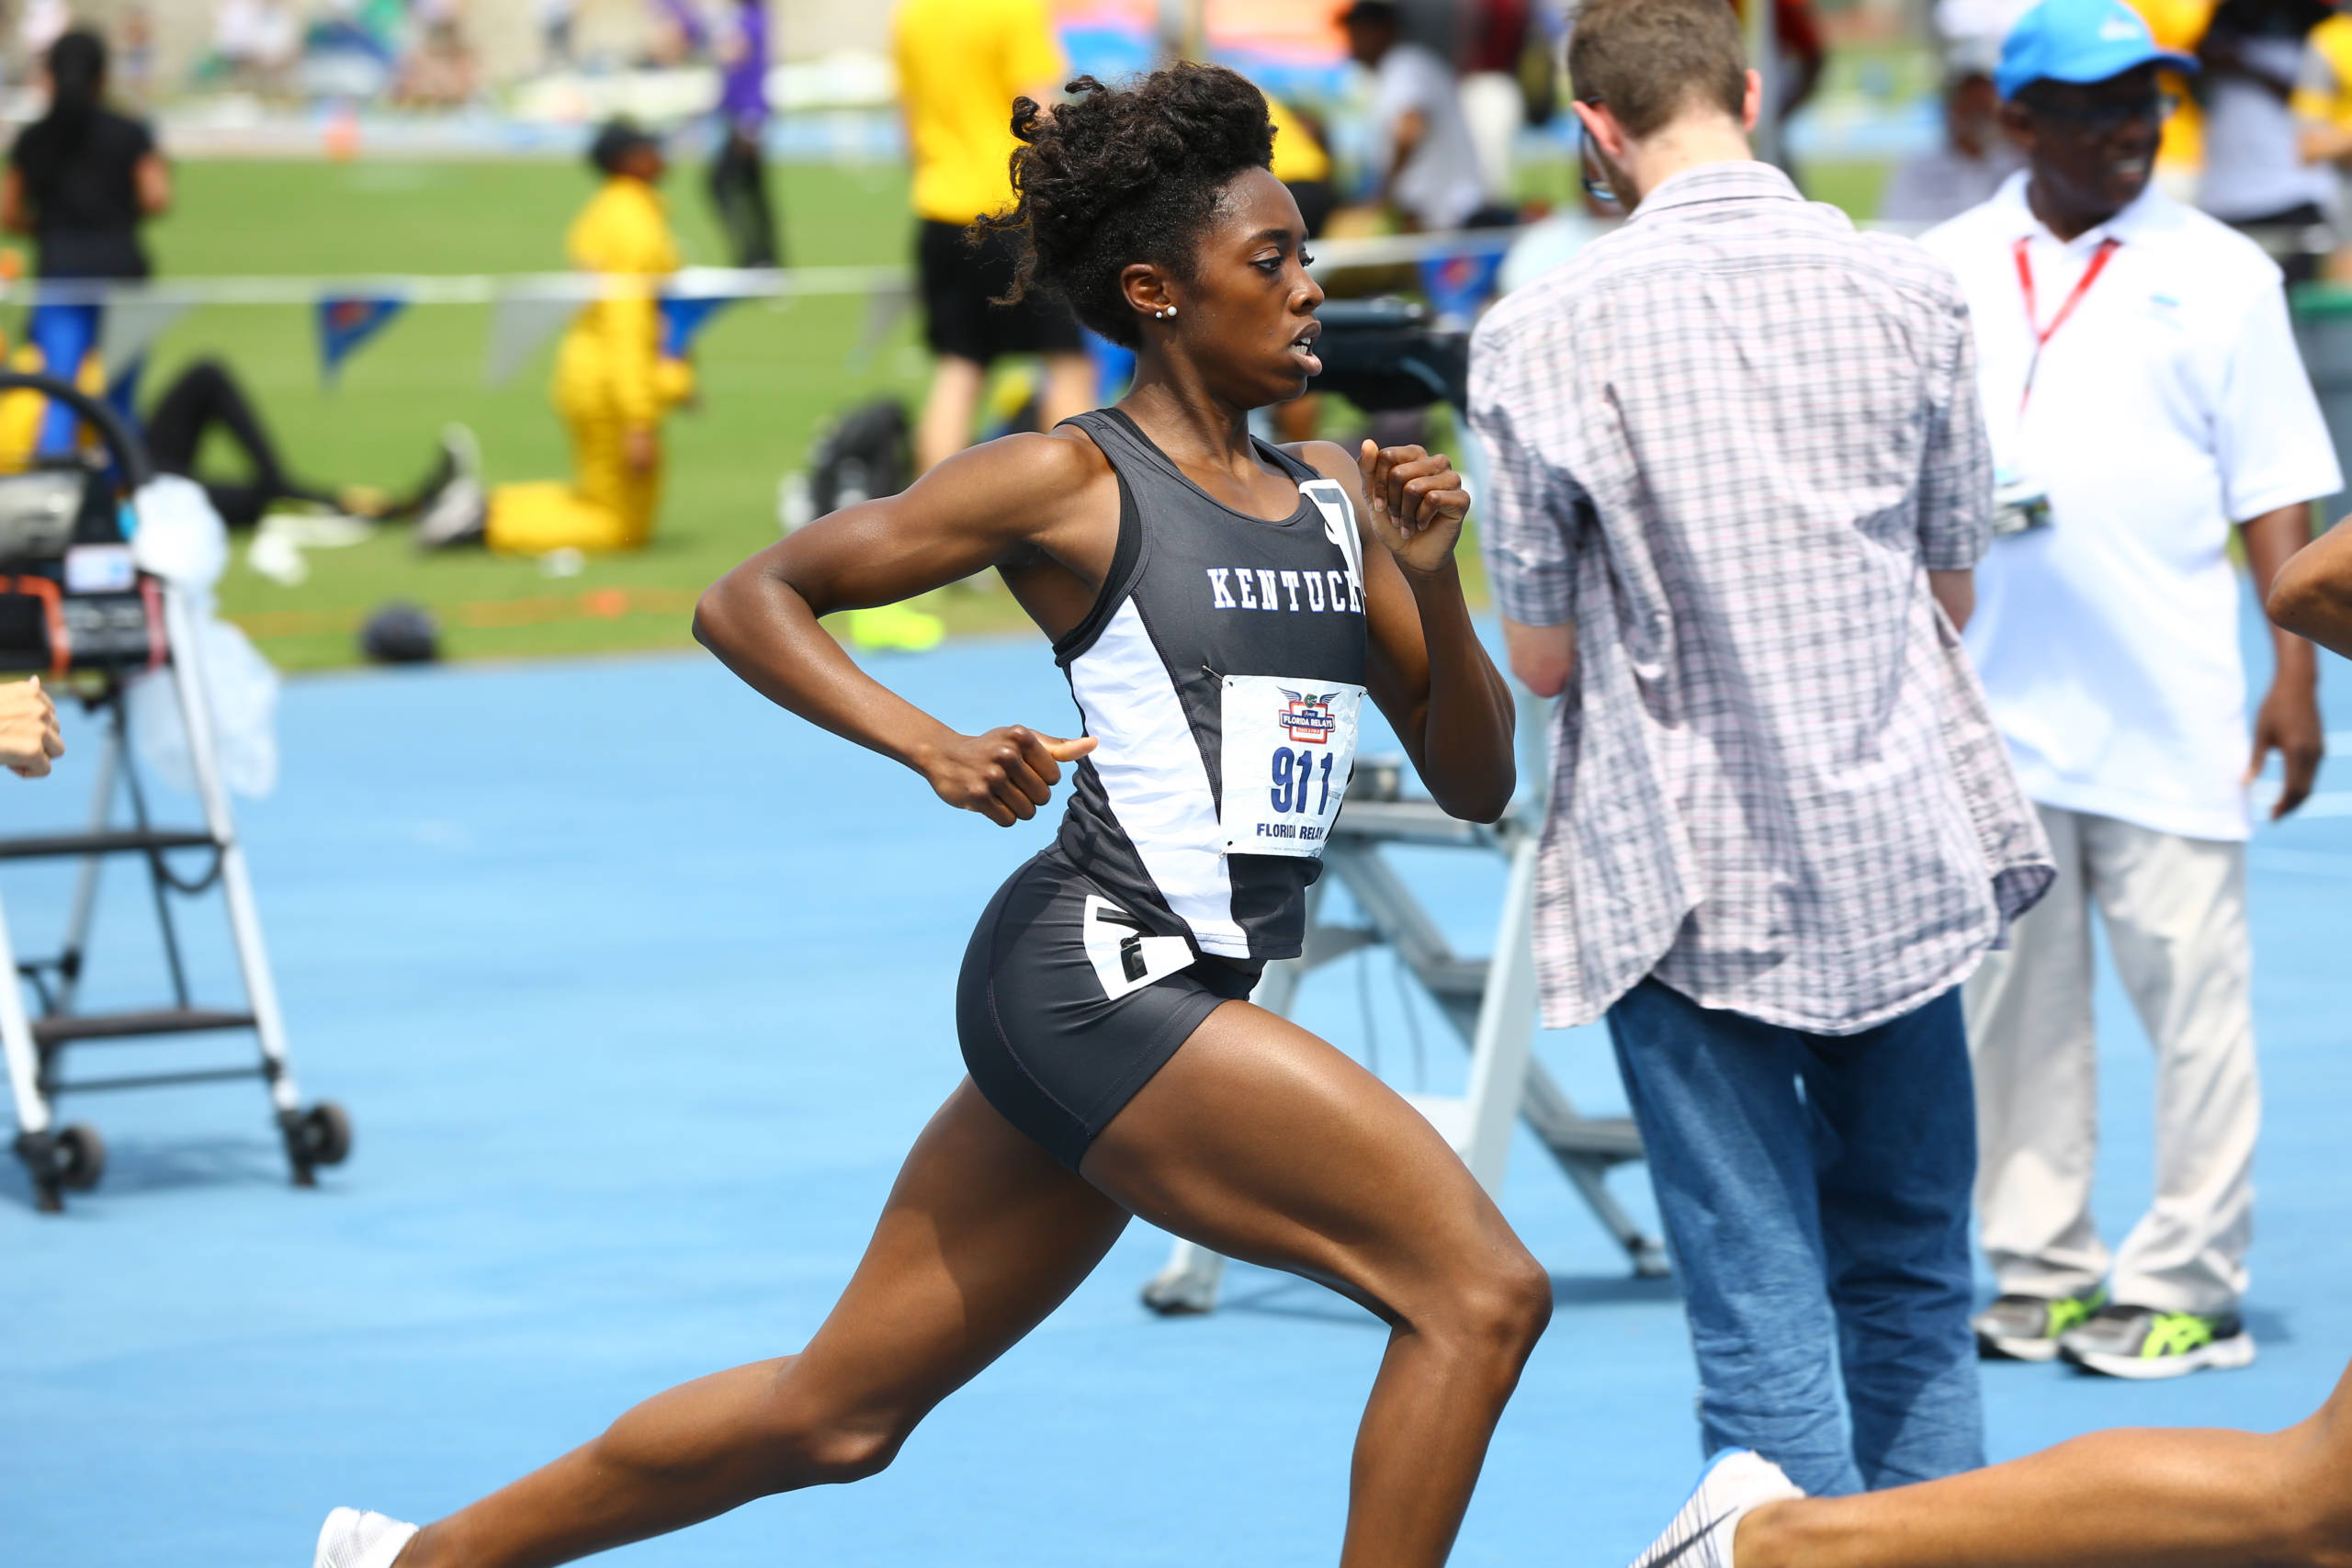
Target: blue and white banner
{"points": [[529, 307], [347, 320], [683, 317]]}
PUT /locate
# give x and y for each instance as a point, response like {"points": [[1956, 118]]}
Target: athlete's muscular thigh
{"points": [[983, 1236], [1269, 1145]]}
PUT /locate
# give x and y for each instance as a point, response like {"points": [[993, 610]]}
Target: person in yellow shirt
{"points": [[2323, 100], [612, 383], [1301, 163], [2178, 26], [961, 64], [2323, 109], [1304, 167]]}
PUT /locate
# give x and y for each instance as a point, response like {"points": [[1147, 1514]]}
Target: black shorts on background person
{"points": [[959, 280]]}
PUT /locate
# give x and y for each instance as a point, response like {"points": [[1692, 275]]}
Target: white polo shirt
{"points": [[1441, 184], [2169, 405]]}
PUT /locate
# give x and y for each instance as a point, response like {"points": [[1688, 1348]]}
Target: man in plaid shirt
{"points": [[1740, 481]]}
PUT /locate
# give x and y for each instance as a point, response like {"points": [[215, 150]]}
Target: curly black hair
{"points": [[1125, 174]]}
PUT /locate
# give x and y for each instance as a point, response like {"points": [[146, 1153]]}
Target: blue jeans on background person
{"points": [[1815, 1191], [66, 335]]}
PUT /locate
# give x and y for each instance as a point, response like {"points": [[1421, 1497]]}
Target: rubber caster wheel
{"points": [[81, 1157], [325, 1134]]}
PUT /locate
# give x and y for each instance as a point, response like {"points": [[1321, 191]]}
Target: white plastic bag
{"points": [[181, 539], [241, 688]]}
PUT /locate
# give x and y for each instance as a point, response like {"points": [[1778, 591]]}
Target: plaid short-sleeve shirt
{"points": [[1728, 442]]}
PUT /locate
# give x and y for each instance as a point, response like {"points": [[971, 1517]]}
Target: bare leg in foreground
{"points": [[1257, 1139], [2133, 1498]]}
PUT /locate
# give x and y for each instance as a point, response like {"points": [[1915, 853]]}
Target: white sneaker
{"points": [[1738, 1481], [458, 514], [353, 1539], [461, 451]]}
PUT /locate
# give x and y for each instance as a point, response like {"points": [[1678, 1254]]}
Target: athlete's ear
{"points": [[1146, 286]]}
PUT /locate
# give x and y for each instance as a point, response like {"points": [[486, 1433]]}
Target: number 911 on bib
{"points": [[1289, 750]]}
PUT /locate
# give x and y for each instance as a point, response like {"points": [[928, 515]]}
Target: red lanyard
{"points": [[2042, 335]]}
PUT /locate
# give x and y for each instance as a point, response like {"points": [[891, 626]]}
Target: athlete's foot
{"points": [[1703, 1534], [353, 1539]]}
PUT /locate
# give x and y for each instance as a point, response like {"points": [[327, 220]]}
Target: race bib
{"points": [[1289, 748], [1125, 955]]}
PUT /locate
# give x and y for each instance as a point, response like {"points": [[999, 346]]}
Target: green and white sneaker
{"points": [[2141, 1343], [2028, 1328]]}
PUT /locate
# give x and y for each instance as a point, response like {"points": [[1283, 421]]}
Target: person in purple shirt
{"points": [[737, 176]]}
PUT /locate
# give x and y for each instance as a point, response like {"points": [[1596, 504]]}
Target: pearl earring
{"points": [[1166, 313]]}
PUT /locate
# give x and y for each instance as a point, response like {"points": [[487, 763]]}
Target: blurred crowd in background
{"points": [[2260, 140], [1404, 118]]}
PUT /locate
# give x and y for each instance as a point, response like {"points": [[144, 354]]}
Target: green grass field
{"points": [[771, 373]]}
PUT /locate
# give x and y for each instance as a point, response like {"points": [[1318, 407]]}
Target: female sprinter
{"points": [[1221, 608]]}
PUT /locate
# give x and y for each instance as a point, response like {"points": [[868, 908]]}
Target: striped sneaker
{"points": [[353, 1539], [1738, 1481], [2027, 1328], [2141, 1343]]}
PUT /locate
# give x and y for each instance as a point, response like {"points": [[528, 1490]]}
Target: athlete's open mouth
{"points": [[1303, 348]]}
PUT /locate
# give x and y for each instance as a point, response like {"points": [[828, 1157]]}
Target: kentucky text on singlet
{"points": [[1221, 673]]}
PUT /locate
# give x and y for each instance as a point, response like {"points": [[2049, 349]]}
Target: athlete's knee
{"points": [[808, 1439], [209, 374], [841, 1451], [1499, 1304]]}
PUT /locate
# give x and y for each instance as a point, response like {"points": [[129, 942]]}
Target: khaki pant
{"points": [[2175, 913]]}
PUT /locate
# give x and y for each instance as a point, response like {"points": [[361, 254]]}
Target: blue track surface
{"points": [[638, 991]]}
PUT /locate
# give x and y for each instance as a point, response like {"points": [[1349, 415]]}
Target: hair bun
{"points": [[1118, 176]]}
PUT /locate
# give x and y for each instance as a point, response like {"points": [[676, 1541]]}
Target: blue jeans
{"points": [[66, 335], [1814, 1190]]}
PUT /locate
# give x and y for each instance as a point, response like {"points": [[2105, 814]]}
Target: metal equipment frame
{"points": [[59, 1158]]}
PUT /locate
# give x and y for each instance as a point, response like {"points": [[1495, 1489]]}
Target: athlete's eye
{"points": [[1269, 264], [1305, 260]]}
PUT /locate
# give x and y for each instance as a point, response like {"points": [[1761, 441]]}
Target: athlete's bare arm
{"points": [[1046, 507], [2312, 595], [1429, 673]]}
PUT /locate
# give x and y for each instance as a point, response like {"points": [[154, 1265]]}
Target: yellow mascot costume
{"points": [[612, 385]]}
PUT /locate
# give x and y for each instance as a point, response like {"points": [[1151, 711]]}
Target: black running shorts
{"points": [[958, 281], [1067, 1006]]}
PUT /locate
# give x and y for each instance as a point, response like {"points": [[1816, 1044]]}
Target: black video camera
{"points": [[1383, 355], [70, 595]]}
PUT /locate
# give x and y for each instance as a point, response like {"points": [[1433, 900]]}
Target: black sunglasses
{"points": [[1596, 184], [2092, 122]]}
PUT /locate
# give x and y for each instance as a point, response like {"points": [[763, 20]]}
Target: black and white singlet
{"points": [[1221, 672]]}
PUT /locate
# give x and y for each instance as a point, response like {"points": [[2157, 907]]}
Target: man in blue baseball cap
{"points": [[2078, 41], [2144, 399]]}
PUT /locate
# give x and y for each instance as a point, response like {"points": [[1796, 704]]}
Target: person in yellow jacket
{"points": [[612, 383]]}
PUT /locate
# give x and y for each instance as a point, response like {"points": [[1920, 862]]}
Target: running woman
{"points": [[1222, 608]]}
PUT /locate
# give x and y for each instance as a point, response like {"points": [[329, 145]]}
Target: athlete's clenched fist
{"points": [[1005, 775], [1415, 502], [28, 734]]}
